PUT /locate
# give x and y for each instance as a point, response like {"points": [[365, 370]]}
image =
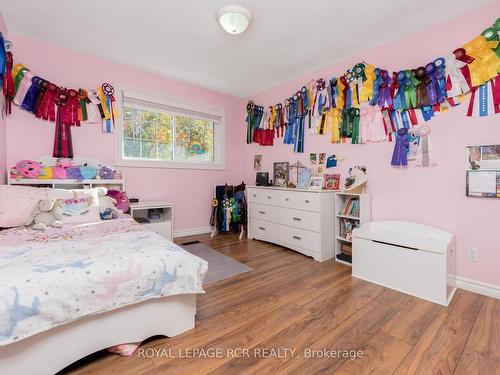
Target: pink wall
{"points": [[189, 190], [434, 196], [3, 123]]}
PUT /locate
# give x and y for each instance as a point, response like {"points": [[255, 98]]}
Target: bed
{"points": [[66, 293]]}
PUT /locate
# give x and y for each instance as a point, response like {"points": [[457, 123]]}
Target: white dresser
{"points": [[302, 220]]}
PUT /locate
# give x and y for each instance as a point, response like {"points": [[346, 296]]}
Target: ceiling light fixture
{"points": [[234, 19]]}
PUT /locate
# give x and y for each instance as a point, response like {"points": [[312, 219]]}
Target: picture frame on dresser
{"points": [[281, 174], [316, 183]]}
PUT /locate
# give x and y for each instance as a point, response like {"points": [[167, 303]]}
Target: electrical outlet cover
{"points": [[472, 254]]}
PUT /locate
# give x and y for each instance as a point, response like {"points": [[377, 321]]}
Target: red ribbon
{"points": [[47, 107], [461, 54]]}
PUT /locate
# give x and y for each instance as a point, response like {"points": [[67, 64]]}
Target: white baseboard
{"points": [[192, 232], [478, 287]]}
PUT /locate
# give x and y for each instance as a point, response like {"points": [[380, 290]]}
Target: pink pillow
{"points": [[17, 203]]}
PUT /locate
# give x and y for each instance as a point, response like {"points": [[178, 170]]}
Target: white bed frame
{"points": [[49, 352]]}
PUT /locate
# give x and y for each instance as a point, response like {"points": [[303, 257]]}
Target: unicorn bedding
{"points": [[60, 275]]}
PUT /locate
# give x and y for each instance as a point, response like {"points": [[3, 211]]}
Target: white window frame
{"points": [[183, 105]]}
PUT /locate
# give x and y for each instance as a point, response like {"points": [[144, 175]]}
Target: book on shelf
{"points": [[346, 248], [351, 207]]}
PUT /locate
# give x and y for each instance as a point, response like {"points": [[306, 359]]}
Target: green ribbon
{"points": [[354, 124], [410, 91], [491, 34]]}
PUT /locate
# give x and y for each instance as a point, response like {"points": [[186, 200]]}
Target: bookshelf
{"points": [[352, 210]]}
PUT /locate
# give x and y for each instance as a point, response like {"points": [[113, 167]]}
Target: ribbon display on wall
{"points": [[368, 104], [47, 101]]}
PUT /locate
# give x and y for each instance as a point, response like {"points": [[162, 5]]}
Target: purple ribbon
{"points": [[400, 153], [384, 95]]}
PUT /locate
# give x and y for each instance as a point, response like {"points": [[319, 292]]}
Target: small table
{"points": [[156, 216]]}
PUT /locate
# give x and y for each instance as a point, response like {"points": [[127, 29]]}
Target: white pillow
{"points": [[76, 206], [17, 203]]}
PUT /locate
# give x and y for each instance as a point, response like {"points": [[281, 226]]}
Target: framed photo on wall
{"points": [[280, 174]]}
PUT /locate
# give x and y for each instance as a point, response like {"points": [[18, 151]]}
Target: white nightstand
{"points": [[144, 212]]}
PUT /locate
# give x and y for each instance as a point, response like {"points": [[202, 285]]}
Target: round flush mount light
{"points": [[234, 19]]}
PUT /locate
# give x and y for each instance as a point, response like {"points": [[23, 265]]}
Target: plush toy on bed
{"points": [[107, 205], [122, 202], [44, 215], [26, 169]]}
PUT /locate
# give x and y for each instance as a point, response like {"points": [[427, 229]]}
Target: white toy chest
{"points": [[408, 257]]}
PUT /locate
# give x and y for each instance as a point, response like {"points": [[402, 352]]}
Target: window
{"points": [[163, 132]]}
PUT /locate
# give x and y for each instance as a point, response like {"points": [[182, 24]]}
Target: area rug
{"points": [[220, 267]]}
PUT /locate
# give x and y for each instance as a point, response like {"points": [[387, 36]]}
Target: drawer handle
{"points": [[262, 212], [254, 195], [268, 197], [297, 238], [287, 199], [307, 201], [297, 219], [262, 228]]}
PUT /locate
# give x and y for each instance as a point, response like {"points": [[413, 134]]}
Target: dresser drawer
{"points": [[263, 212], [264, 230], [301, 238], [308, 220], [301, 201], [264, 196]]}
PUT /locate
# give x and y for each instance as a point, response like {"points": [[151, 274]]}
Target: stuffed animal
{"points": [[64, 163], [44, 215], [107, 205], [26, 169], [59, 173], [46, 173], [74, 173], [87, 172], [106, 173], [122, 202]]}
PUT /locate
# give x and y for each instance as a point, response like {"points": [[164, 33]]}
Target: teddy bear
{"points": [[44, 215]]}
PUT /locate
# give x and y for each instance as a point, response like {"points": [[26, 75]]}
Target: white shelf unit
{"points": [[162, 225], [69, 184], [365, 215]]}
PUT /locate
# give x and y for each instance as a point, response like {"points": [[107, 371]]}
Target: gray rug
{"points": [[220, 267]]}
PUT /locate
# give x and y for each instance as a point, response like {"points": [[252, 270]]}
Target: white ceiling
{"points": [[182, 39]]}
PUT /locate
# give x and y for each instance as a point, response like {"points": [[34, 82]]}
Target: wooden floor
{"points": [[290, 302]]}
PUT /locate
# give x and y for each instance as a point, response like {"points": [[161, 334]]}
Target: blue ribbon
{"points": [[394, 118], [30, 98], [405, 119], [376, 84], [288, 138], [399, 98], [108, 129], [299, 139], [3, 59], [427, 112], [348, 97], [334, 92]]}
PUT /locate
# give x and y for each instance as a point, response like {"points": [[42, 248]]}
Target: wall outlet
{"points": [[472, 254]]}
